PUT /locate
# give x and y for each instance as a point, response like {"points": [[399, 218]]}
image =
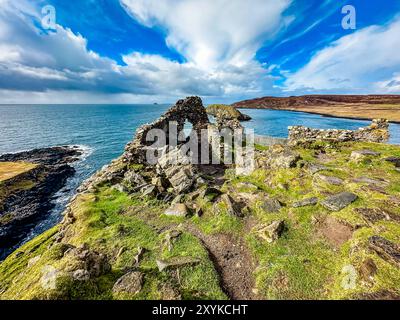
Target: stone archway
{"points": [[190, 109]]}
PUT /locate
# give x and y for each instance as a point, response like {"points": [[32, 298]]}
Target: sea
{"points": [[102, 131]]}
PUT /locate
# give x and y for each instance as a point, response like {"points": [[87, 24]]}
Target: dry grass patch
{"points": [[10, 170]]}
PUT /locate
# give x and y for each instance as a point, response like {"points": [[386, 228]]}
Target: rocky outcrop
{"points": [[26, 198], [378, 131], [226, 112]]}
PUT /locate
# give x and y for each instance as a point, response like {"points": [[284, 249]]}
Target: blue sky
{"points": [[138, 51]]}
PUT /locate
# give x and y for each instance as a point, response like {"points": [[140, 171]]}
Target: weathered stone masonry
{"points": [[190, 109], [378, 131]]}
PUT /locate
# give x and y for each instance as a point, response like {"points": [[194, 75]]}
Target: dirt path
{"points": [[233, 263]]}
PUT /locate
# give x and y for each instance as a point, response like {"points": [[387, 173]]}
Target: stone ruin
{"points": [[190, 110], [378, 131]]}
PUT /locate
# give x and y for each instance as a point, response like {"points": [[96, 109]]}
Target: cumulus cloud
{"points": [[362, 62], [211, 33], [33, 60]]}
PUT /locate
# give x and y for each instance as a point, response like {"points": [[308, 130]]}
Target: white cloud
{"points": [[34, 61], [361, 62], [211, 33]]}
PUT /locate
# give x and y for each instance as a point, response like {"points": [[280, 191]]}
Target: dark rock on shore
{"points": [[26, 198]]}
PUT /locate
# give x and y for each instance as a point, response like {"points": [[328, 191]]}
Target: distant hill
{"points": [[346, 106]]}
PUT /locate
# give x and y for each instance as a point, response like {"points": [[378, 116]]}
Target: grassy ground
{"points": [[307, 262]]}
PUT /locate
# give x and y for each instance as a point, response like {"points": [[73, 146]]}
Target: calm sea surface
{"points": [[103, 131]]}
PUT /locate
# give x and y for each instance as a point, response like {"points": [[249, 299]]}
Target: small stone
{"points": [[148, 190], [210, 193], [231, 205], [394, 160], [169, 293], [248, 186], [81, 275], [329, 179], [199, 212], [306, 202], [272, 232], [368, 269], [132, 178], [358, 156], [339, 201], [130, 283], [271, 205], [33, 261], [177, 210], [315, 168], [176, 262], [119, 187], [177, 199]]}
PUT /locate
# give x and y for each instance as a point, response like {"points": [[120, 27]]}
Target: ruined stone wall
{"points": [[190, 109], [378, 131]]}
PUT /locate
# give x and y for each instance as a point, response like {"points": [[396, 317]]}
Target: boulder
{"points": [[305, 202], [177, 210], [339, 201], [271, 205], [130, 283], [181, 178]]}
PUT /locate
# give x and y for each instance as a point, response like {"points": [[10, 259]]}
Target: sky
{"points": [[158, 51]]}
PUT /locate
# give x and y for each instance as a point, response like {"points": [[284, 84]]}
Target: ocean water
{"points": [[104, 130]]}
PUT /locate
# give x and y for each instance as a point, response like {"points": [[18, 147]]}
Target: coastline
{"points": [[327, 115], [28, 198]]}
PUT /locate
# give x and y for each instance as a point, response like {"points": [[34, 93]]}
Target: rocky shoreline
{"points": [[26, 198], [313, 213]]}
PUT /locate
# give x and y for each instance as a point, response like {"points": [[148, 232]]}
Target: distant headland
{"points": [[366, 107]]}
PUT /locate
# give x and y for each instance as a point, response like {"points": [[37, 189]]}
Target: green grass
{"points": [[108, 222], [302, 264]]}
